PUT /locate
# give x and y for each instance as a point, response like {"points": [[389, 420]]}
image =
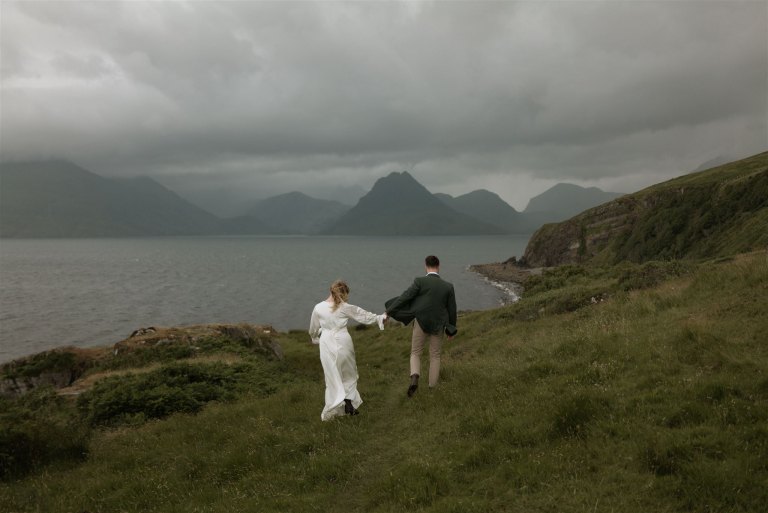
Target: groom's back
{"points": [[435, 304]]}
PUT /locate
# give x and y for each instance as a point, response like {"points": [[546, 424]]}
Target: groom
{"points": [[431, 301]]}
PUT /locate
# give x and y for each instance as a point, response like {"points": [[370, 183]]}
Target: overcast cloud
{"points": [[224, 101]]}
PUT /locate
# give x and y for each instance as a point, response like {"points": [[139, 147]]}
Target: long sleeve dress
{"points": [[328, 328]]}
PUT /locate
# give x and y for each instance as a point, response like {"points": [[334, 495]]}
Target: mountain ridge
{"points": [[562, 201], [487, 207], [290, 213], [57, 198], [399, 205]]}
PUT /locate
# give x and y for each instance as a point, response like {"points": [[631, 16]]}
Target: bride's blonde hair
{"points": [[339, 293]]}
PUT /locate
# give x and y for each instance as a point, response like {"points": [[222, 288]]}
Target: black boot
{"points": [[348, 408], [414, 385]]}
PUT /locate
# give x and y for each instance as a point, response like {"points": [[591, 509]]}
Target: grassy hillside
{"points": [[633, 389], [720, 211]]}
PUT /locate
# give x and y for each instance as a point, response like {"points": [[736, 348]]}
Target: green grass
{"points": [[655, 399]]}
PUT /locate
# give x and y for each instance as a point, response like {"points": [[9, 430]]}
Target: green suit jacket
{"points": [[430, 300]]}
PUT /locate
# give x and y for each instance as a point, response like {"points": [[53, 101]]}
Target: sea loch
{"points": [[88, 292]]}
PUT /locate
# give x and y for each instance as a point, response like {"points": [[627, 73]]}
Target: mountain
{"points": [[295, 212], [59, 199], [717, 212], [563, 201], [717, 161], [399, 205], [556, 204], [347, 195], [487, 207]]}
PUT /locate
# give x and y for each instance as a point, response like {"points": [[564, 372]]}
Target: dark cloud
{"points": [[266, 97]]}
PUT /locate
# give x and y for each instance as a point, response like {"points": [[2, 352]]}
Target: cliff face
{"points": [[720, 211]]}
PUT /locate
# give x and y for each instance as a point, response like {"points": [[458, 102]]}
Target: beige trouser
{"points": [[417, 346]]}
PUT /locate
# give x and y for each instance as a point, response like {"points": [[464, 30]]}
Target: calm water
{"points": [[89, 292]]}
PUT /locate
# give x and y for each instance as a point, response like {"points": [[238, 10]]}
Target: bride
{"points": [[328, 328]]}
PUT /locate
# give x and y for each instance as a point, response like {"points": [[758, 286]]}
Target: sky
{"points": [[229, 102]]}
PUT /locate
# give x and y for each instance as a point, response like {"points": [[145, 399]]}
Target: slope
{"points": [[720, 211], [655, 399]]}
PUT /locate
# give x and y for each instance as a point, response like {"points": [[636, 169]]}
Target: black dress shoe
{"points": [[414, 385], [349, 409]]}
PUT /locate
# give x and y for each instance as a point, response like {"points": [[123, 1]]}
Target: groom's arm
{"points": [[452, 307], [410, 293]]}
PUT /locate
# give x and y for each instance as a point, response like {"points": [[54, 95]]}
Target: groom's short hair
{"points": [[432, 261]]}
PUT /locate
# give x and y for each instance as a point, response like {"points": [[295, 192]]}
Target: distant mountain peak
{"points": [[714, 162], [292, 212], [399, 205], [400, 173], [486, 207], [567, 199], [398, 186], [566, 186], [294, 194], [402, 177], [482, 194]]}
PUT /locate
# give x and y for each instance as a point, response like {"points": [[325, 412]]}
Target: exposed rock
{"points": [[143, 331], [581, 237], [509, 271], [260, 338], [57, 368]]}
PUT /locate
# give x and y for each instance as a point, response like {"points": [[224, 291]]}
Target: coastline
{"points": [[93, 292], [508, 276]]}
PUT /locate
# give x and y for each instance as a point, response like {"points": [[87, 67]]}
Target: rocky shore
{"points": [[509, 276]]}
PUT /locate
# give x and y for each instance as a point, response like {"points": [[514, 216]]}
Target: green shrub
{"points": [[652, 273], [36, 430], [143, 356], [175, 388], [555, 278]]}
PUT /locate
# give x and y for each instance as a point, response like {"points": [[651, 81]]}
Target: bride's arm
{"points": [[362, 316], [314, 327]]}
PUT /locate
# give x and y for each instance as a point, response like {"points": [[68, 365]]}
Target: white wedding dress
{"points": [[328, 328]]}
